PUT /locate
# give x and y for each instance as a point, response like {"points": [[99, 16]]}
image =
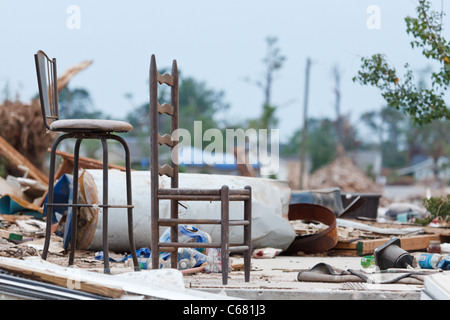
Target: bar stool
{"points": [[80, 129]]}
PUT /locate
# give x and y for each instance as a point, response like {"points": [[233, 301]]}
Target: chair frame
{"points": [[175, 194], [48, 93]]}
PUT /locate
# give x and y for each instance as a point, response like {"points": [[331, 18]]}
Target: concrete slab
{"points": [[276, 279]]}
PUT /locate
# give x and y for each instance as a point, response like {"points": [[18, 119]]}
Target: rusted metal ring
{"points": [[318, 242]]}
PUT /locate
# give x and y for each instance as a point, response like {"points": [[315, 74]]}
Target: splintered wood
{"points": [[342, 173], [344, 233]]}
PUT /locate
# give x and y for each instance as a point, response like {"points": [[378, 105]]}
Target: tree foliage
{"points": [[77, 104], [197, 102], [273, 61], [422, 104]]}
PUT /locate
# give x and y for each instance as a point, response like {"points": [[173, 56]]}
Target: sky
{"points": [[218, 42]]}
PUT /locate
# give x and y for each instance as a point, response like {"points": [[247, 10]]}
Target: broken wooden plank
{"points": [[15, 158], [34, 271], [364, 247]]}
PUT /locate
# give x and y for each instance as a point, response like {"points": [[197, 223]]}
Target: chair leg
{"points": [[225, 231], [129, 202], [73, 236], [50, 194], [105, 206], [248, 235], [174, 233], [154, 224]]}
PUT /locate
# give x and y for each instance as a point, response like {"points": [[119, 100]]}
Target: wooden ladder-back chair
{"points": [[175, 194], [80, 129]]}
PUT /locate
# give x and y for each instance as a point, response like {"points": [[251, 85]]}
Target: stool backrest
{"points": [[170, 110], [48, 93]]}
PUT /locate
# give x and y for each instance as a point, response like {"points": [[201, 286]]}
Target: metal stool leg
{"points": [[105, 206], [50, 194], [129, 201], [73, 236], [225, 231]]}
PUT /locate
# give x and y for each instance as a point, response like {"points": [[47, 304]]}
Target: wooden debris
{"points": [[366, 247], [33, 270], [15, 158], [32, 227]]}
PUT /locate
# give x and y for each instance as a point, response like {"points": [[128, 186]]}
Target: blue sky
{"points": [[219, 42]]}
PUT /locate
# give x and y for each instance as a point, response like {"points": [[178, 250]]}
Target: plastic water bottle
{"points": [[185, 264], [444, 264], [428, 260], [214, 261]]}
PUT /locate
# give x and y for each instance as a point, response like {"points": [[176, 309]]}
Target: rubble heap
{"points": [[342, 173]]}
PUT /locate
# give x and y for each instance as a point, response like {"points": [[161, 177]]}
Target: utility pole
{"points": [[305, 127]]}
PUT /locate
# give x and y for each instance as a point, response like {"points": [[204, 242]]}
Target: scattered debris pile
{"points": [[342, 173]]}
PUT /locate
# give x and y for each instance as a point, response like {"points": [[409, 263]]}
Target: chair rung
{"points": [[168, 246], [173, 222], [214, 192], [165, 108], [164, 245], [165, 78], [83, 205], [165, 169], [239, 248], [239, 222], [165, 139], [201, 197]]}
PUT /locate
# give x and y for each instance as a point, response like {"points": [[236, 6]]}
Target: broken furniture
{"points": [[175, 194], [79, 129]]}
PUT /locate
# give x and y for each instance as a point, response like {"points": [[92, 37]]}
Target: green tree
{"points": [[273, 62], [197, 102], [321, 142], [431, 139], [77, 104], [422, 104], [390, 128]]}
